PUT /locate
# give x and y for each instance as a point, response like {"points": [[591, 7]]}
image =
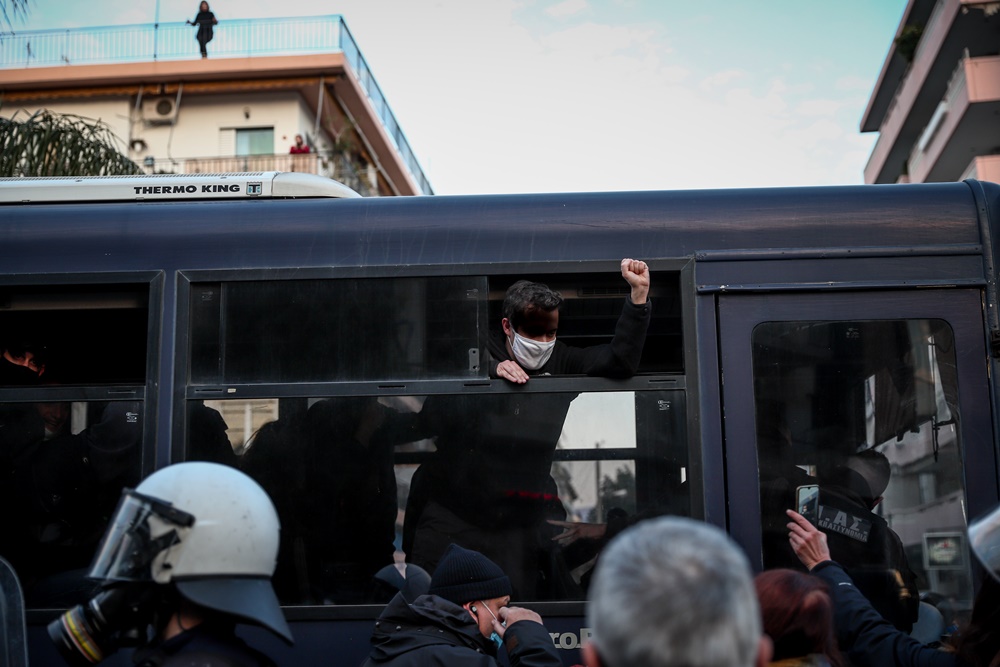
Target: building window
{"points": [[255, 141]]}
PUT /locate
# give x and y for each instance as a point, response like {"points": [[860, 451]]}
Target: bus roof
{"points": [[241, 185]]}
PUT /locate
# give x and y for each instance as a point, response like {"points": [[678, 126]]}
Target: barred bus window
{"points": [[322, 330], [868, 411], [538, 481]]}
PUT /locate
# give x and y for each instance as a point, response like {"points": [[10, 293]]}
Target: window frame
{"points": [[185, 390], [739, 314]]}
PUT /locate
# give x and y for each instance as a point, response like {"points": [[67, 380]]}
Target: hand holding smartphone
{"points": [[807, 502]]}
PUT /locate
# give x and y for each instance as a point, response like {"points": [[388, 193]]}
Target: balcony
{"points": [[241, 38], [963, 124], [952, 27], [337, 167]]}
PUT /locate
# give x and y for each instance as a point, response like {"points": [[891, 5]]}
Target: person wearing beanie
{"points": [[463, 619]]}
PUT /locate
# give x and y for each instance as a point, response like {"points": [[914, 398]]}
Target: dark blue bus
{"points": [[276, 323]]}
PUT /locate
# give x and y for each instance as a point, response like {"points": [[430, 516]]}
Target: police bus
{"points": [[841, 337]]}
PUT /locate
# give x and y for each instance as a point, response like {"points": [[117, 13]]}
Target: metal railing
{"points": [[956, 84], [335, 166], [232, 38]]}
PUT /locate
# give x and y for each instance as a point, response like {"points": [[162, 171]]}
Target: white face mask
{"points": [[531, 354]]}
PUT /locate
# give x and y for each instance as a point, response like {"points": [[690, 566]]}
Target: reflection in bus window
{"points": [[868, 411], [64, 466], [312, 330], [362, 482]]}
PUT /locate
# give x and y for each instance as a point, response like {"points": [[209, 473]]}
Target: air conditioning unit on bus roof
{"points": [[159, 111]]}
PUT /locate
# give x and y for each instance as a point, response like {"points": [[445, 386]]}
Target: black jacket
{"points": [[871, 553], [204, 21], [494, 451], [435, 632], [619, 358], [869, 638], [209, 644]]}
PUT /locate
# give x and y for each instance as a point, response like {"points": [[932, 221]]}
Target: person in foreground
{"points": [[798, 617], [874, 641], [188, 554], [462, 620], [674, 592]]}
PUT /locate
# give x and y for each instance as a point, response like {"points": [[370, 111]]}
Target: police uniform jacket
{"points": [[871, 553]]}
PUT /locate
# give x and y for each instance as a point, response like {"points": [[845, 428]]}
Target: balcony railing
{"points": [[233, 38], [336, 166], [956, 83]]}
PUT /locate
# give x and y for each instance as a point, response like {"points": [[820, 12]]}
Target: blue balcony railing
{"points": [[233, 38]]}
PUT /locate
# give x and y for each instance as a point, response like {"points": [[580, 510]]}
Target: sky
{"points": [[506, 96]]}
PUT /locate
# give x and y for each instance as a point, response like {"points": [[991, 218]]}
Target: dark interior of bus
{"points": [[844, 399], [87, 334], [425, 327]]}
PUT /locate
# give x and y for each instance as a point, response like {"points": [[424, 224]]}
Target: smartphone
{"points": [[807, 502]]}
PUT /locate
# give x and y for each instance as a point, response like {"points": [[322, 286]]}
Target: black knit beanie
{"points": [[465, 576]]}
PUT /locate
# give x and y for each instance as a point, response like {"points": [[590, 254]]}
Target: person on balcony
{"points": [[204, 20], [299, 147]]}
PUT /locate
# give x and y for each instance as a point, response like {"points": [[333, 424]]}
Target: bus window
{"points": [[868, 410], [592, 305], [64, 465], [73, 335], [362, 482], [323, 330]]}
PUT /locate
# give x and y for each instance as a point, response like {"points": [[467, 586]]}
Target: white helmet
{"points": [[208, 529]]}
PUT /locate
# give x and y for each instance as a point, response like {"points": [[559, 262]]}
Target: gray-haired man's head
{"points": [[674, 592]]}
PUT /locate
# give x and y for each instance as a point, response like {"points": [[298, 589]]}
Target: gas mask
{"points": [[122, 615], [126, 609]]}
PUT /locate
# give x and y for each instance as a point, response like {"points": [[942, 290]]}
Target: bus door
{"points": [[881, 400]]}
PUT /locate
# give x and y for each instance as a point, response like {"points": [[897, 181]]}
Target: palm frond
{"points": [[51, 144]]}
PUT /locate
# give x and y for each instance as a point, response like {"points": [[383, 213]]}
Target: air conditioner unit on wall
{"points": [[159, 110]]}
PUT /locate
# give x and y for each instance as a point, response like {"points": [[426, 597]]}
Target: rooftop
{"points": [[75, 49]]}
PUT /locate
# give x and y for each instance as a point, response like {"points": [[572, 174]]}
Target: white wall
{"points": [[204, 124]]}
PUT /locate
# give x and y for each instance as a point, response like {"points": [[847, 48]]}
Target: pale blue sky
{"points": [[583, 95]]}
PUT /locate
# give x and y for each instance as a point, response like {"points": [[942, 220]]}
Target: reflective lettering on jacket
{"points": [[844, 523]]}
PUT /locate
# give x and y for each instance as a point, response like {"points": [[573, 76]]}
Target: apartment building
{"points": [[240, 109], [936, 105]]}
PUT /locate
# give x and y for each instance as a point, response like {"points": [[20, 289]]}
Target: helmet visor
{"points": [[984, 538], [142, 527]]}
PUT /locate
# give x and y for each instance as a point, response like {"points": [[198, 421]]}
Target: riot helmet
{"points": [[209, 530]]}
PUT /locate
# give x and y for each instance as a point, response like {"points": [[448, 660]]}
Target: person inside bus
{"points": [[67, 485], [862, 541], [871, 641], [329, 471], [464, 619], [23, 362], [489, 487], [779, 478]]}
